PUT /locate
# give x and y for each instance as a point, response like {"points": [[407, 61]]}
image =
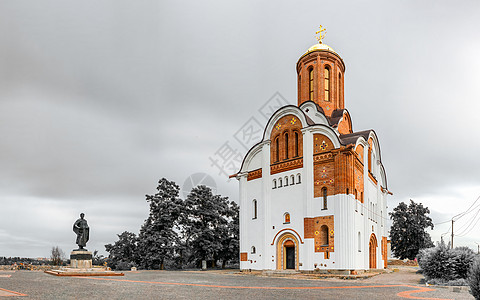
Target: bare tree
{"points": [[57, 256]]}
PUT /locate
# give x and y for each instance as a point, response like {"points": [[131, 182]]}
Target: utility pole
{"points": [[452, 235]]}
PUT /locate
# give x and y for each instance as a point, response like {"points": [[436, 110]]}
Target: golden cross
{"points": [[322, 35]]}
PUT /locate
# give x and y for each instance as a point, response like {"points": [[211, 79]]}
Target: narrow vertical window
{"points": [[277, 152], [292, 179], [359, 242], [327, 83], [296, 144], [299, 178], [310, 84], [339, 89], [286, 180], [254, 209], [370, 159], [253, 250], [286, 145], [324, 194], [279, 182], [274, 185], [374, 167]]}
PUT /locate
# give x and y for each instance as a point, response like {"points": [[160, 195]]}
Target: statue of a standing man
{"points": [[80, 227]]}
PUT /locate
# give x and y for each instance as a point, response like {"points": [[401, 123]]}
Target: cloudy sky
{"points": [[99, 100]]}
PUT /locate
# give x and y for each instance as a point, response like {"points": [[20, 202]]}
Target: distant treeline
{"points": [[21, 260]]}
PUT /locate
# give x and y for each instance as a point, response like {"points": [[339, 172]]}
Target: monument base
{"points": [[83, 272], [81, 259], [81, 265]]}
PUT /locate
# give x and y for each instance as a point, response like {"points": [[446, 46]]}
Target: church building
{"points": [[313, 193]]}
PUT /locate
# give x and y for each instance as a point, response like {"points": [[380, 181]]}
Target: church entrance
{"points": [[372, 251], [287, 252], [290, 253]]}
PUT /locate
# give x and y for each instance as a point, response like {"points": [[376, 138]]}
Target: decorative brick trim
{"points": [[286, 166], [317, 158], [384, 251], [254, 174]]}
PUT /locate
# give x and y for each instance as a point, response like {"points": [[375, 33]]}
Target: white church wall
{"points": [[255, 225], [255, 161]]}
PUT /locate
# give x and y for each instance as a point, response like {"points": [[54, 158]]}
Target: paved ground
{"points": [[216, 284]]}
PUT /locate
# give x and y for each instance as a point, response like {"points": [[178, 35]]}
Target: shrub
{"points": [[445, 264], [463, 258], [456, 282], [436, 262], [474, 279]]}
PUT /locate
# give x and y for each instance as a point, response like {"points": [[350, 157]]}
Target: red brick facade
{"points": [[345, 125], [322, 230], [318, 61], [286, 147]]}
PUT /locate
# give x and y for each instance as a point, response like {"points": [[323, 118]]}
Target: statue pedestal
{"points": [[81, 259], [81, 265]]}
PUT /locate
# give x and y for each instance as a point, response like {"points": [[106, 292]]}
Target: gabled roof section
{"points": [[351, 138], [336, 116]]}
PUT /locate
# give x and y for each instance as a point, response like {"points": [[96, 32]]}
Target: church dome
{"points": [[320, 47]]}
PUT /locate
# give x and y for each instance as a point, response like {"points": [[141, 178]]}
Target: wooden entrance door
{"points": [[290, 253], [372, 250]]}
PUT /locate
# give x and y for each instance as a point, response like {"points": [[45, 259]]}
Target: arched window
{"points": [[327, 83], [310, 84], [299, 178], [277, 152], [254, 208], [296, 144], [324, 194], [286, 180], [274, 184], [279, 182], [253, 250], [286, 218], [292, 179], [324, 235], [286, 145], [359, 242]]}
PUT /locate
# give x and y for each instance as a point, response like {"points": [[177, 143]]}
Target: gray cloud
{"points": [[97, 102]]}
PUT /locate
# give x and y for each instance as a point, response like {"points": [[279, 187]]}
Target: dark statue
{"points": [[80, 227]]}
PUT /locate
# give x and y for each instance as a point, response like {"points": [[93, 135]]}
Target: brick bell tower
{"points": [[320, 75]]}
